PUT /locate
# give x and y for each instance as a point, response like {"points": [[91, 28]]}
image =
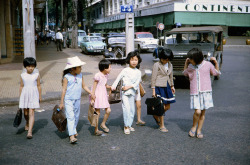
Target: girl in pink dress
{"points": [[101, 97]]}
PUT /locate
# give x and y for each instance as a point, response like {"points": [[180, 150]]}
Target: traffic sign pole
{"points": [[130, 45]]}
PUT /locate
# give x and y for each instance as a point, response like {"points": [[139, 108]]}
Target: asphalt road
{"points": [[226, 129]]}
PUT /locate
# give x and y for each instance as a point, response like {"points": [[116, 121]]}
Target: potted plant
{"points": [[248, 39]]}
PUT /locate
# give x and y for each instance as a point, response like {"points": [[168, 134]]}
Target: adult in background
{"points": [[59, 40]]}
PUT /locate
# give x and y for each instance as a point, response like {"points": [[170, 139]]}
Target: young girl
{"points": [[162, 83], [198, 71], [30, 93], [71, 94], [131, 77], [100, 92]]}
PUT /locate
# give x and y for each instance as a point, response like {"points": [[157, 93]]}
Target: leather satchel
{"points": [[18, 118], [115, 95], [142, 91], [92, 116], [155, 106], [59, 119]]}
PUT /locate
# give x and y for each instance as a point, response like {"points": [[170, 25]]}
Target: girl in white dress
{"points": [[30, 93]]}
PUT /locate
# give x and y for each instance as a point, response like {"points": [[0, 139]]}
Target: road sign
{"points": [[161, 26], [126, 8]]}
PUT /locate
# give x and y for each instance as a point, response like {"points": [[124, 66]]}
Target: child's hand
{"points": [[153, 93], [173, 89], [125, 88], [187, 62], [112, 88], [61, 106], [213, 59], [92, 96]]}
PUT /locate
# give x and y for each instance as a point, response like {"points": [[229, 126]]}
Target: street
{"points": [[226, 129]]}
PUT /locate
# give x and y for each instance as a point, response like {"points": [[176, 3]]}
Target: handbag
{"points": [[59, 119], [142, 91], [18, 118], [92, 116], [155, 106], [115, 95]]}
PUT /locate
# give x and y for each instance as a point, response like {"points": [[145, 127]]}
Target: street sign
{"points": [[126, 8], [161, 26]]}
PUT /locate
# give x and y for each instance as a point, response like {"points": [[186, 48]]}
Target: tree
{"points": [[74, 42]]}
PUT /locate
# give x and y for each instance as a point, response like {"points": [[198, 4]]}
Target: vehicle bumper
{"points": [[111, 56], [149, 47]]}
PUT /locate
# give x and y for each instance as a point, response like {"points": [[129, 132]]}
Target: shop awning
{"points": [[227, 19]]}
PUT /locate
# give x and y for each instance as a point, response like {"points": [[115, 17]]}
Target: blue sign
{"points": [[126, 8]]}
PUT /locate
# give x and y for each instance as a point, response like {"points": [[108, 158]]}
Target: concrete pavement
{"points": [[50, 64]]}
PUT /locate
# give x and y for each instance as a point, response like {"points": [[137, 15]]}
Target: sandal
{"points": [[76, 135], [73, 141], [106, 130], [199, 135], [191, 133], [164, 130], [29, 135], [126, 131], [140, 123], [98, 133], [131, 129]]}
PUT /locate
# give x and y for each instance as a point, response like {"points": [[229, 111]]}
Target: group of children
{"points": [[196, 69]]}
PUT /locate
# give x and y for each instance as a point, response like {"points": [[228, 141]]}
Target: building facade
{"points": [[230, 14]]}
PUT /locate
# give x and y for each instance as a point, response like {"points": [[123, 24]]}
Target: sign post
{"points": [[129, 21]]}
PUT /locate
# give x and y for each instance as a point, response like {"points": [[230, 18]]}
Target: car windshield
{"points": [[189, 38], [95, 39], [146, 35], [96, 34], [117, 40], [81, 34]]}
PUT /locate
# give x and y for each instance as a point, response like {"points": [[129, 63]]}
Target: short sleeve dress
{"points": [[30, 96], [101, 100]]}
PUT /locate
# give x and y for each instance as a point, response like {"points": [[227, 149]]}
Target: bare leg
{"points": [[105, 118], [98, 113], [138, 107], [201, 121], [166, 107], [26, 116], [196, 117], [31, 122]]}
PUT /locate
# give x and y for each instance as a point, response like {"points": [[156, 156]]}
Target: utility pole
{"points": [[130, 45], [74, 41], [28, 29], [47, 16]]}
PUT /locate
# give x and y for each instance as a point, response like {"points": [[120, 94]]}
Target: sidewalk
{"points": [[50, 64]]}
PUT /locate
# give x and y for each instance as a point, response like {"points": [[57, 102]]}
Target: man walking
{"points": [[59, 40]]}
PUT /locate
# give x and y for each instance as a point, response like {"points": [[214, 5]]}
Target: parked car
{"points": [[99, 35], [186, 38], [92, 44], [144, 41], [81, 34], [116, 48]]}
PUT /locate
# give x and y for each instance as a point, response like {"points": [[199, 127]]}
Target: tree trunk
{"points": [[74, 42], [65, 15], [57, 17]]}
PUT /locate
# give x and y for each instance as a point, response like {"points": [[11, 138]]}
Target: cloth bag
{"points": [[155, 106], [18, 118], [92, 116], [59, 119], [142, 91], [115, 96]]}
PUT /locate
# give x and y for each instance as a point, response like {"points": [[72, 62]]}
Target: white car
{"points": [[144, 41]]}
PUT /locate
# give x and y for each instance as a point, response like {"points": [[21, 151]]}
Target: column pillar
{"points": [[109, 7], [118, 6], [143, 3], [113, 6], [123, 2], [8, 30], [28, 29], [2, 31]]}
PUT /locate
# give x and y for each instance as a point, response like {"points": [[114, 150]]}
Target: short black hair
{"points": [[104, 64], [166, 54], [196, 55], [29, 61], [133, 54]]}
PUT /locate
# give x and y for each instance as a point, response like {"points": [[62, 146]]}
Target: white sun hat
{"points": [[74, 62]]}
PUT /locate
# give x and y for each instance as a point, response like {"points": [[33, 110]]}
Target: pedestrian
{"points": [[72, 82], [162, 84], [99, 90], [198, 71], [30, 93], [130, 77], [138, 104], [59, 40]]}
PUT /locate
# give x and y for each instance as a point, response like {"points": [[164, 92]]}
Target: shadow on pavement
{"points": [[39, 124], [183, 124]]}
